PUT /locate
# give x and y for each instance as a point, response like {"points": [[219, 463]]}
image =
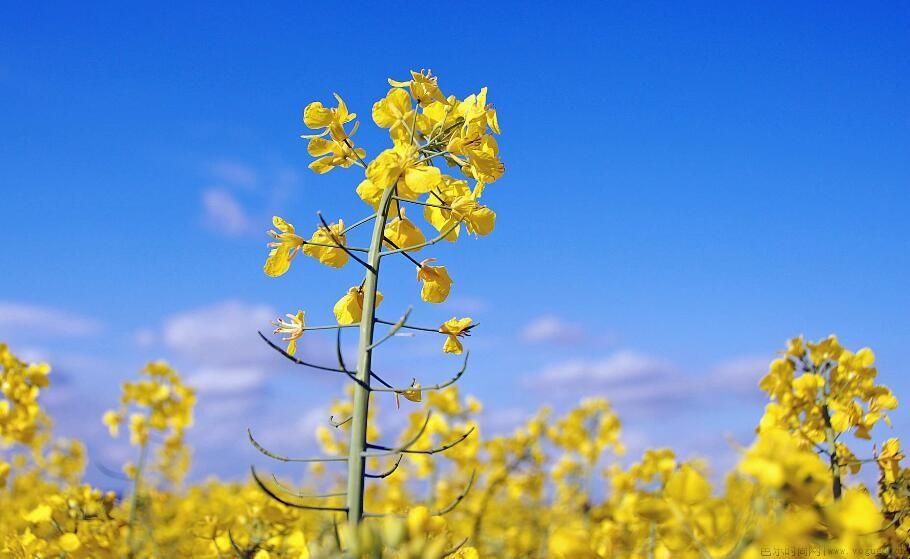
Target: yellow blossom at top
{"points": [[402, 167], [328, 120], [423, 87]]}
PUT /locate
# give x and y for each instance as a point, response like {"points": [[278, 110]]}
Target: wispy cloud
{"points": [[552, 329], [220, 334], [223, 213], [623, 367], [38, 320], [637, 379], [234, 173]]}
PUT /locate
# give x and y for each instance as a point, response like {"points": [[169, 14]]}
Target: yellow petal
{"points": [[317, 116], [422, 179], [452, 345], [278, 262]]}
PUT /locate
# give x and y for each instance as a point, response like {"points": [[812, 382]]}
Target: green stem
{"points": [[832, 453], [134, 500], [356, 459]]}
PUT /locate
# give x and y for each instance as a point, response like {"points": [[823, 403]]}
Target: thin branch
{"points": [[419, 203], [451, 506], [439, 386], [405, 254], [393, 330], [277, 348], [350, 144], [271, 494], [357, 224], [281, 458], [337, 424], [413, 440], [341, 246], [453, 550], [446, 509], [408, 327], [293, 493], [386, 473], [438, 449], [338, 351], [330, 327], [109, 472], [432, 241], [346, 249]]}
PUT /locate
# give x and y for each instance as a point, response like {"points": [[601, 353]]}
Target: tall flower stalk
{"points": [[426, 128]]}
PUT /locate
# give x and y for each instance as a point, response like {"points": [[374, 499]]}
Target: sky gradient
{"points": [[685, 189]]}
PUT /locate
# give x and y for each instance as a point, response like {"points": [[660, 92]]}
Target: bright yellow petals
{"points": [[332, 153], [688, 486], [69, 542], [395, 113], [41, 513], [293, 329], [461, 207], [328, 120], [455, 328], [285, 247], [402, 232], [414, 393], [436, 282], [320, 245], [349, 309], [401, 166], [112, 419], [423, 87]]}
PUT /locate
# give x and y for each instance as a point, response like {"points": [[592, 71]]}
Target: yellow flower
{"points": [[330, 121], [414, 393], [462, 207], [403, 233], [401, 166], [285, 247], [688, 486], [4, 473], [423, 87], [139, 429], [349, 309], [334, 236], [436, 282], [395, 113], [69, 542], [455, 328], [113, 420], [41, 513], [854, 514], [332, 153], [293, 328]]}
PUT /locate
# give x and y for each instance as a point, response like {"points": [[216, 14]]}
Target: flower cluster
{"points": [[533, 495]]}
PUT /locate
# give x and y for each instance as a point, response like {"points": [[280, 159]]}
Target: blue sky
{"points": [[687, 186]]}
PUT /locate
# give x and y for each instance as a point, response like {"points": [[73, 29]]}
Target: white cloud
{"points": [[222, 334], [620, 367], [740, 374], [226, 380], [552, 329], [234, 172], [223, 213], [21, 318]]}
